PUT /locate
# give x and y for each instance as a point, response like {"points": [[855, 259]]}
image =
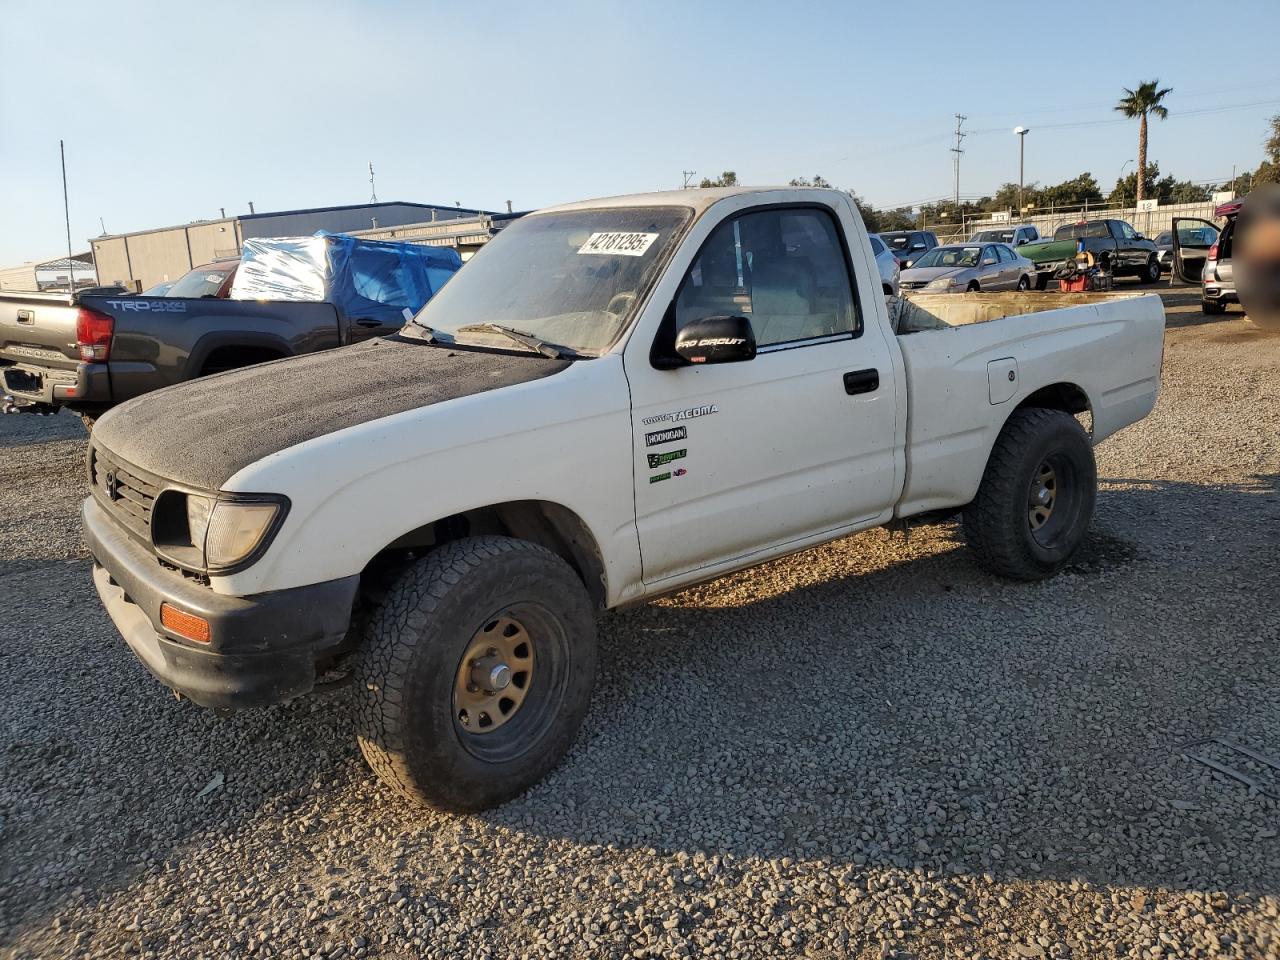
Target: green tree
{"points": [[817, 181], [1126, 188], [1143, 102], [1184, 191], [1269, 170], [726, 179], [1075, 192]]}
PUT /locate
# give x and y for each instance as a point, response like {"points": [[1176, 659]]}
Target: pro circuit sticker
{"points": [[665, 436], [659, 477], [619, 244], [661, 459], [690, 414]]}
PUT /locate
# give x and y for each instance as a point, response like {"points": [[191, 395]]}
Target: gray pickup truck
{"points": [[89, 352]]}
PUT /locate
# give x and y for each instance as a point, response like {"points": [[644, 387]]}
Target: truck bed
{"points": [[959, 350]]}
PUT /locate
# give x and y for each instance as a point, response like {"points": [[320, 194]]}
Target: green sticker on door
{"points": [[659, 459]]}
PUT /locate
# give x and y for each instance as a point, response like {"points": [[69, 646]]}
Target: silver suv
{"points": [[888, 264], [1202, 254]]}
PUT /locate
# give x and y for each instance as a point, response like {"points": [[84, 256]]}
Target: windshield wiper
{"points": [[524, 339]]}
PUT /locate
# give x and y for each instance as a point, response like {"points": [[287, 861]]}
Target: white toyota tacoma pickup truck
{"points": [[615, 400]]}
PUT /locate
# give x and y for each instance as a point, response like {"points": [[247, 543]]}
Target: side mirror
{"points": [[717, 340]]}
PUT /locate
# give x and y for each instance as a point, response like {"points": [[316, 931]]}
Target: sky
{"points": [[171, 111]]}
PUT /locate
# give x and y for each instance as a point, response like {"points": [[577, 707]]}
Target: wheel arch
{"points": [[1065, 396], [543, 522], [262, 346]]}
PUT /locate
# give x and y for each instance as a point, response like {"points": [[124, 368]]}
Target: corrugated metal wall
{"points": [[19, 278], [303, 224]]}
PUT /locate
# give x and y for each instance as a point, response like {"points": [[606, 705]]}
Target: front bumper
{"points": [[87, 384], [262, 649]]}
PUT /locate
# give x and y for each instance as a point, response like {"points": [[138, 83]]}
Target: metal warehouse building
{"points": [[166, 253]]}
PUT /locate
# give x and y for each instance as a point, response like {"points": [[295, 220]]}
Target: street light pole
{"points": [[1123, 194], [1022, 165]]}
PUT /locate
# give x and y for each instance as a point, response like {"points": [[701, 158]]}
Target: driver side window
{"points": [[784, 270]]}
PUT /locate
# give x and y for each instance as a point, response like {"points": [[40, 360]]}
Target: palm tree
{"points": [[1138, 103]]}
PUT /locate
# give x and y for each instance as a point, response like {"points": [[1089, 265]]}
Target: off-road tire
{"points": [[996, 524], [411, 656], [1212, 307]]}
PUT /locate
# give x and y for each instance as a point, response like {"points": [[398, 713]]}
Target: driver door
{"points": [[733, 459], [1192, 238]]}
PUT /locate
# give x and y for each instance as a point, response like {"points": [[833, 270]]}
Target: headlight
{"points": [[942, 283], [208, 535], [198, 510], [236, 529]]}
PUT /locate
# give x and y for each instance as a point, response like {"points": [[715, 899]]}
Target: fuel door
{"points": [[1002, 379]]}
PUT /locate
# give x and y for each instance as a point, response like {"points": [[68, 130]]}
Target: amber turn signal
{"points": [[184, 624]]}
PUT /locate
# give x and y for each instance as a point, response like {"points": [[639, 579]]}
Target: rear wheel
{"points": [[1037, 496], [1042, 281], [1212, 307], [476, 673]]}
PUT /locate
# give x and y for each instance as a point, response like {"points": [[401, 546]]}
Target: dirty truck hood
{"points": [[203, 432]]}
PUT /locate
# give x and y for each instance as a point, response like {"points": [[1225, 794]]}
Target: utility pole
{"points": [[688, 175], [373, 191], [960, 119], [1022, 165]]}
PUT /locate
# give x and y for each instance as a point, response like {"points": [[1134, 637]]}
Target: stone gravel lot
{"points": [[871, 749]]}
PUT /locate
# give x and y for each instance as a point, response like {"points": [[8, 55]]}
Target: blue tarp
{"points": [[346, 271]]}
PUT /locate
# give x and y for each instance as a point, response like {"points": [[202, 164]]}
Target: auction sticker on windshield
{"points": [[621, 244]]}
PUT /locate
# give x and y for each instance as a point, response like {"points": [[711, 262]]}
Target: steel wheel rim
{"points": [[494, 676], [1042, 497]]}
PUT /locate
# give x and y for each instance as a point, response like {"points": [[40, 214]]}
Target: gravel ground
{"points": [[871, 749]]}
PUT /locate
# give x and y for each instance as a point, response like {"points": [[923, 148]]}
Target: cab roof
{"points": [[700, 199]]}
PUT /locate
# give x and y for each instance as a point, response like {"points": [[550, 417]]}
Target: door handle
{"points": [[368, 322], [862, 381]]}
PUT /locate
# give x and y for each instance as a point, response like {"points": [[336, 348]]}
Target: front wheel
{"points": [[476, 673], [973, 287], [1024, 284], [1037, 496], [1151, 272]]}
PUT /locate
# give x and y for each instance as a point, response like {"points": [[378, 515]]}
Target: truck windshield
{"points": [[950, 257], [571, 279], [1096, 230], [993, 236], [201, 282]]}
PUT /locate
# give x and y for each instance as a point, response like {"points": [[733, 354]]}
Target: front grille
{"points": [[123, 491], [913, 284]]}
